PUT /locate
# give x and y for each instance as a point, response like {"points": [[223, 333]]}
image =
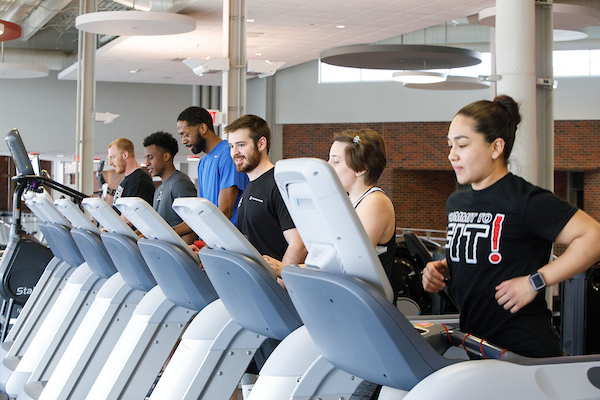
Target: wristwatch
{"points": [[537, 281]]}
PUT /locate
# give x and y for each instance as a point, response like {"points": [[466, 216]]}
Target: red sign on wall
{"points": [[216, 116]]}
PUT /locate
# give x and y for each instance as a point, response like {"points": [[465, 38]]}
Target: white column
{"points": [[233, 97], [515, 62], [86, 96]]}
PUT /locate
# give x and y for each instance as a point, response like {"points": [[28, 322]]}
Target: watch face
{"points": [[537, 281]]}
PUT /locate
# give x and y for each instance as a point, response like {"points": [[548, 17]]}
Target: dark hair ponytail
{"points": [[495, 119]]}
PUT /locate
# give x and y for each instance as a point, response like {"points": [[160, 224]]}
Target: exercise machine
{"points": [[221, 341], [103, 324], [41, 300], [344, 310], [158, 321]]}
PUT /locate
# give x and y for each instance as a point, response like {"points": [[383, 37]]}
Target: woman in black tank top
{"points": [[359, 158]]}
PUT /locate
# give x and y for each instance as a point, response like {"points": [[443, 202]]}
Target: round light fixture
{"points": [[419, 77], [22, 71], [400, 56], [453, 83], [10, 30], [135, 23]]}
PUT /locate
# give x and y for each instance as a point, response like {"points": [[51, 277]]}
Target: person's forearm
{"points": [[182, 229], [581, 254], [295, 254]]}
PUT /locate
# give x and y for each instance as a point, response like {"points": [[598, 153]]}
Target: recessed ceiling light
{"points": [[134, 71], [249, 20], [258, 54], [341, 26]]}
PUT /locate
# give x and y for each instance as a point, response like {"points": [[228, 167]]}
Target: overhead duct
{"points": [[17, 11]]}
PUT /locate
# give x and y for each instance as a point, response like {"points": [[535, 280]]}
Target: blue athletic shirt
{"points": [[216, 171]]}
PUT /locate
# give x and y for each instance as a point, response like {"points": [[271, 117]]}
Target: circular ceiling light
{"points": [[135, 23], [400, 56], [453, 83], [419, 77], [11, 31], [567, 20], [22, 71]]}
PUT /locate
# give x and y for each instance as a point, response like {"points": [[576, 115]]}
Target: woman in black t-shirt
{"points": [[500, 234]]}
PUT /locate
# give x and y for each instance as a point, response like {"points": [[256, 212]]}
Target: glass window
{"points": [[571, 62]]}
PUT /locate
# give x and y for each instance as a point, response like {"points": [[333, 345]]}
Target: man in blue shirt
{"points": [[218, 180]]}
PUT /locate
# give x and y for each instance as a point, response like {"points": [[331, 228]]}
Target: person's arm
{"points": [[182, 229], [376, 213], [582, 234], [434, 275], [296, 252], [227, 200]]}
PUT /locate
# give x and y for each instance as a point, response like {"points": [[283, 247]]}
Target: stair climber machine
{"points": [[53, 284], [107, 317], [219, 344], [25, 259], [259, 308], [161, 316], [348, 313], [40, 302]]}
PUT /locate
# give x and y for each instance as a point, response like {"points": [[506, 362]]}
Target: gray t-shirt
{"points": [[177, 185]]}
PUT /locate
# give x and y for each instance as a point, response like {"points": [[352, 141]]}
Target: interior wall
{"points": [[43, 110], [301, 99]]}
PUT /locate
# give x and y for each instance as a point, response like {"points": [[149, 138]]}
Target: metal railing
{"points": [[431, 234], [29, 222]]}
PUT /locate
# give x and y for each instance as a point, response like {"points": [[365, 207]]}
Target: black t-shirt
{"points": [[496, 234], [263, 216], [136, 184]]}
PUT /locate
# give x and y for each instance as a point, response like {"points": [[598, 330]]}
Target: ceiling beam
{"points": [[41, 16]]}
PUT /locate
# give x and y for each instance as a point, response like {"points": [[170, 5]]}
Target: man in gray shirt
{"points": [[160, 148]]}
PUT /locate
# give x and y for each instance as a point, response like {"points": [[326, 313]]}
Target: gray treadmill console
{"points": [[332, 232], [107, 217], [217, 231], [150, 223], [44, 204], [18, 153], [75, 215]]}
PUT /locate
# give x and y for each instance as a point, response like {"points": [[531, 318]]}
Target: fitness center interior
{"points": [[90, 312]]}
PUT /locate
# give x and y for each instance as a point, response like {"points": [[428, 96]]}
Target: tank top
{"points": [[387, 251]]}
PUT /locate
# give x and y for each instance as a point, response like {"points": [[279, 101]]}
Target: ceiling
{"points": [[290, 31]]}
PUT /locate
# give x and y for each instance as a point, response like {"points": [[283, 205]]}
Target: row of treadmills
{"points": [[115, 316]]}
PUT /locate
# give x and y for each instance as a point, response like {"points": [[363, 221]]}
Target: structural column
{"points": [[86, 98], [515, 62], [545, 94], [233, 99]]}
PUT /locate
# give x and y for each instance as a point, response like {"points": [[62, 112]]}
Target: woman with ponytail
{"points": [[500, 234]]}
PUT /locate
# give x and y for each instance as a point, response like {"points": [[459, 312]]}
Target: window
{"points": [[566, 63]]}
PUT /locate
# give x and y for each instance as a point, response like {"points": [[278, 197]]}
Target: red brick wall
{"points": [[418, 177]]}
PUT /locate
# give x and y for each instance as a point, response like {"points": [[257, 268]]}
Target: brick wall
{"points": [[418, 177]]}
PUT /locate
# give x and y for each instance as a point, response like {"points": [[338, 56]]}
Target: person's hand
{"points": [[515, 294], [194, 248], [275, 264], [434, 276]]}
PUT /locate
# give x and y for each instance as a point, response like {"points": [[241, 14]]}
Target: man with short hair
{"points": [[160, 148], [137, 183], [262, 214], [218, 180]]}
